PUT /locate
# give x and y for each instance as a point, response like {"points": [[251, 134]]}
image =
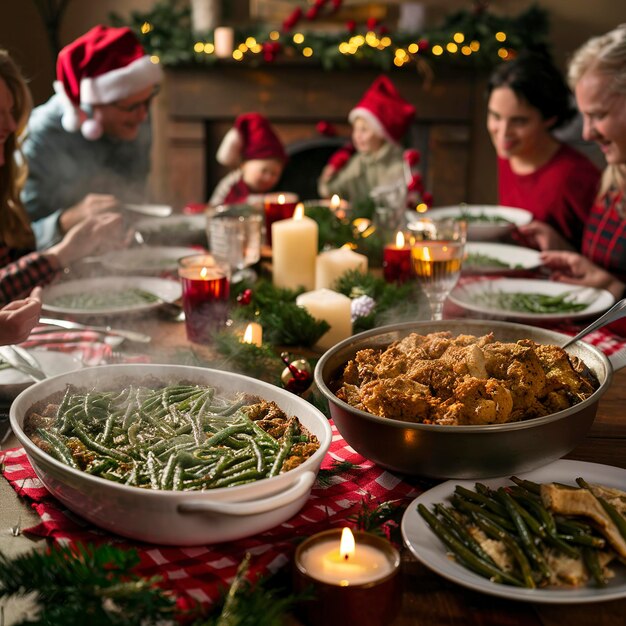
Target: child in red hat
{"points": [[379, 122], [254, 149]]}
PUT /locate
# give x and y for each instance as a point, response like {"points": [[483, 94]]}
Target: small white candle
{"points": [[332, 264], [294, 249], [329, 562], [333, 307], [253, 334], [224, 41]]}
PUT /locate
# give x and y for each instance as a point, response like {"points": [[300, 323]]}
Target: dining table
{"points": [[427, 598]]}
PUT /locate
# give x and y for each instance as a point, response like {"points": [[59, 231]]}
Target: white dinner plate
{"points": [[166, 290], [507, 258], [13, 382], [146, 259], [152, 210], [467, 296], [175, 230], [485, 222], [428, 549]]}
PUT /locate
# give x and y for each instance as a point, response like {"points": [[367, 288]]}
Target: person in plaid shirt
{"points": [[21, 268], [597, 74]]}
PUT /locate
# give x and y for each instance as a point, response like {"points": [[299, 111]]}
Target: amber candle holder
{"points": [[372, 599]]}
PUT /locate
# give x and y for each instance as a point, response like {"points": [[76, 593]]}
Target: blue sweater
{"points": [[64, 167]]}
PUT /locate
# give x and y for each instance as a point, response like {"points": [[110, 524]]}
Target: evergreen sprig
{"points": [[380, 518]]}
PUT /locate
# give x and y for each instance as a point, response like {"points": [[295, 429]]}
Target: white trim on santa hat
{"points": [[120, 83], [230, 148], [374, 122]]}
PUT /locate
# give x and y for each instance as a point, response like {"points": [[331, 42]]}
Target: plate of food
{"points": [[175, 230], [557, 572], [484, 222], [498, 258], [530, 300], [13, 381], [153, 260], [111, 295]]}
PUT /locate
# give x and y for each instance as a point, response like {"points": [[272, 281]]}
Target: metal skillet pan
{"points": [[461, 451]]}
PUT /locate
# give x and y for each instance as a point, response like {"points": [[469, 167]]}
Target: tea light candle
{"points": [[294, 251], [354, 578], [224, 41], [253, 334], [397, 260], [336, 204], [332, 264], [334, 308], [278, 206]]}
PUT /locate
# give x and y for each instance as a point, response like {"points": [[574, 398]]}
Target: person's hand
{"points": [[18, 318], [327, 173], [542, 236], [91, 236], [575, 269], [92, 204]]}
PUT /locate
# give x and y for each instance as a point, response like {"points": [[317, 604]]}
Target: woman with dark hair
{"points": [[528, 99]]}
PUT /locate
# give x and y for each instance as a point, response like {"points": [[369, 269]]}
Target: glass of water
{"points": [[234, 235]]}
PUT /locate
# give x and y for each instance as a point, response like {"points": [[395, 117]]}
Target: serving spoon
{"points": [[617, 311]]}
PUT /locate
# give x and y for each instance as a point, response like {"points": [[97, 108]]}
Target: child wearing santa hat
{"points": [[253, 148], [379, 122], [88, 147]]}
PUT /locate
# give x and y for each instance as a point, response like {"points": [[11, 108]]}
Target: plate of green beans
{"points": [[445, 528], [498, 258], [109, 295], [530, 299]]}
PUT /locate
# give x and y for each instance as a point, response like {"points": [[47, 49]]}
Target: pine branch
{"points": [[338, 467], [381, 518]]}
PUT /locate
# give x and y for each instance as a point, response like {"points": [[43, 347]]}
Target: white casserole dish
{"points": [[176, 517]]}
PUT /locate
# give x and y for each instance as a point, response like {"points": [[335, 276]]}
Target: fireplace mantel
{"points": [[196, 107]]}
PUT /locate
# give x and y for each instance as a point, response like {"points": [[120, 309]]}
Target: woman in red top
{"points": [[528, 99], [21, 269], [597, 74]]}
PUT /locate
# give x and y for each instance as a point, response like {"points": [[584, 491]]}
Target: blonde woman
{"points": [[22, 269]]}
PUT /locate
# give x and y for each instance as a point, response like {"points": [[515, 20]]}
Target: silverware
{"points": [[616, 312], [152, 210], [131, 335], [14, 357]]}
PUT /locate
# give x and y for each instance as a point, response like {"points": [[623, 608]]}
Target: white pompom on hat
{"points": [[251, 137], [387, 112], [104, 65]]}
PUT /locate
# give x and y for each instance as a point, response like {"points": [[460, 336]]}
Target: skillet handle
{"points": [[241, 509]]}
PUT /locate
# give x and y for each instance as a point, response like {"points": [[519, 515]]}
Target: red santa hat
{"points": [[251, 137], [104, 65], [386, 111]]}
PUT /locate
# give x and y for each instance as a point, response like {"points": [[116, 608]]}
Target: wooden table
{"points": [[429, 599]]}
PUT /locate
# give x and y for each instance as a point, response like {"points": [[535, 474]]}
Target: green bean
{"points": [[285, 447], [57, 447], [611, 511], [471, 507], [590, 558], [93, 445]]}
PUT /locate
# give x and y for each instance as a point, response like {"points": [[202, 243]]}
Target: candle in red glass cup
{"points": [[397, 261], [206, 288], [278, 206], [349, 578]]}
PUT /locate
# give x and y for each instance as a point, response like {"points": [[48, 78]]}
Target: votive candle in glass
{"points": [[397, 266], [278, 206], [206, 287], [352, 579]]}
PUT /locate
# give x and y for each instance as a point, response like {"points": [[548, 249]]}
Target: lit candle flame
{"points": [[281, 198], [400, 239], [347, 544], [247, 336], [426, 254], [298, 213], [204, 272], [335, 201]]}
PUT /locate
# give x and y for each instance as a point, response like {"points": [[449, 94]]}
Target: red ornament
{"points": [[326, 128], [312, 13], [371, 23], [383, 30], [336, 5], [319, 3], [350, 26], [427, 198], [245, 297], [416, 184], [423, 44], [293, 19], [412, 157]]}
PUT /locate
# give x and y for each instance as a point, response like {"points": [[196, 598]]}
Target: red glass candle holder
{"points": [[206, 287], [277, 206], [339, 603], [397, 266]]}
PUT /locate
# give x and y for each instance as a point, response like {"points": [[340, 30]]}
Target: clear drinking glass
{"points": [[235, 238], [437, 252]]}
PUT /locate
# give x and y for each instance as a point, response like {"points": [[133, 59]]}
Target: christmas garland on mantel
{"points": [[469, 38]]}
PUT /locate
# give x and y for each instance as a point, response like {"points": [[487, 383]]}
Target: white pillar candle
{"points": [[205, 14], [332, 264], [224, 41], [334, 308], [294, 249]]}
